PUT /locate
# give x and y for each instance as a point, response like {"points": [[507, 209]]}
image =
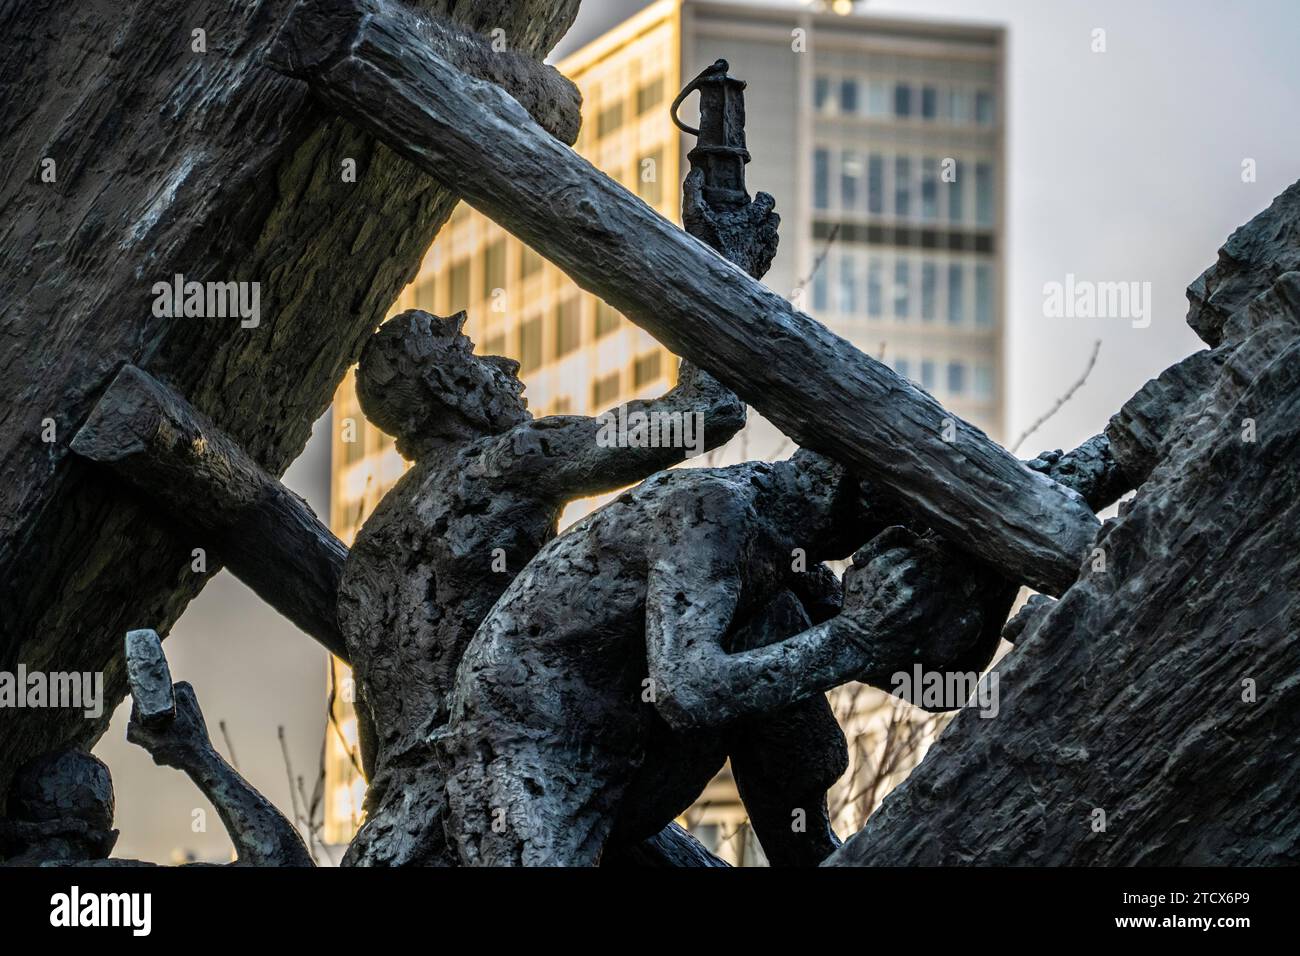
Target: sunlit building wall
{"points": [[882, 141]]}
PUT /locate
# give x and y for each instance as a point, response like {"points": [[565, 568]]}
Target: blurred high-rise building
{"points": [[883, 143]]}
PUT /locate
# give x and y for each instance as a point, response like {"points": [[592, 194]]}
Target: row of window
{"points": [[959, 378], [856, 96], [855, 283], [566, 334], [925, 188], [612, 116], [647, 181], [646, 369]]}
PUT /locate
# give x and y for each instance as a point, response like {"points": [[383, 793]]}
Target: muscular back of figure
{"points": [[618, 633], [483, 497]]}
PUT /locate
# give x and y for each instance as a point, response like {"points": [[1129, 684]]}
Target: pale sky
{"points": [[1122, 166]]}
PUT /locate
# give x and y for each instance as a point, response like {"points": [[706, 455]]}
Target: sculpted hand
{"points": [[177, 742], [910, 600], [746, 236]]}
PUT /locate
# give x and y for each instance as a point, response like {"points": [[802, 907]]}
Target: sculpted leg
{"points": [[784, 762]]}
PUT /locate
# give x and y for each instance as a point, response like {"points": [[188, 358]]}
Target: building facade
{"points": [[883, 143]]}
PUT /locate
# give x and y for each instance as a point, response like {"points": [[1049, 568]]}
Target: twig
{"points": [[333, 721], [1092, 360], [230, 747], [826, 249], [288, 767], [306, 823]]}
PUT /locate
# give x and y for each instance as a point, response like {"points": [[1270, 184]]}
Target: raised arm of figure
{"points": [[261, 834], [571, 456], [907, 601]]}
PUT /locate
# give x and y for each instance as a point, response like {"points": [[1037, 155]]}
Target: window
{"points": [[648, 183], [355, 450], [822, 179], [902, 100], [959, 106], [876, 183], [609, 119], [848, 96], [850, 176], [930, 188], [983, 381], [929, 102], [983, 295], [984, 108], [561, 405], [821, 290], [956, 378], [984, 194], [607, 318], [956, 196], [530, 344], [955, 304], [902, 187], [459, 282], [929, 290], [530, 263], [647, 369], [927, 374], [902, 367], [494, 268], [604, 390], [848, 285], [424, 295], [877, 98], [568, 326], [875, 292], [649, 95], [822, 94], [496, 345], [902, 288]]}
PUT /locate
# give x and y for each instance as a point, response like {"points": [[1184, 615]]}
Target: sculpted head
{"points": [[420, 381], [61, 807], [835, 511]]}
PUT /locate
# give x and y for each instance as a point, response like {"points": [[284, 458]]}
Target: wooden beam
{"points": [[1148, 717], [265, 534], [134, 157], [370, 61]]}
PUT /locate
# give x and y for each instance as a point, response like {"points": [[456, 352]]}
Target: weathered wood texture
{"points": [[366, 59], [209, 165], [1132, 694], [184, 466]]}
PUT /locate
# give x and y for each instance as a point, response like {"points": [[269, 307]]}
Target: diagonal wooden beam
{"points": [[373, 63], [268, 537]]}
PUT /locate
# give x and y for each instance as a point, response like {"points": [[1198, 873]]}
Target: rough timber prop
{"points": [[167, 160], [368, 60], [1162, 690], [176, 458]]}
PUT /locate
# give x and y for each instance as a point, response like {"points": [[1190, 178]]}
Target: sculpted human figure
{"points": [[61, 805], [611, 666], [484, 495]]}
